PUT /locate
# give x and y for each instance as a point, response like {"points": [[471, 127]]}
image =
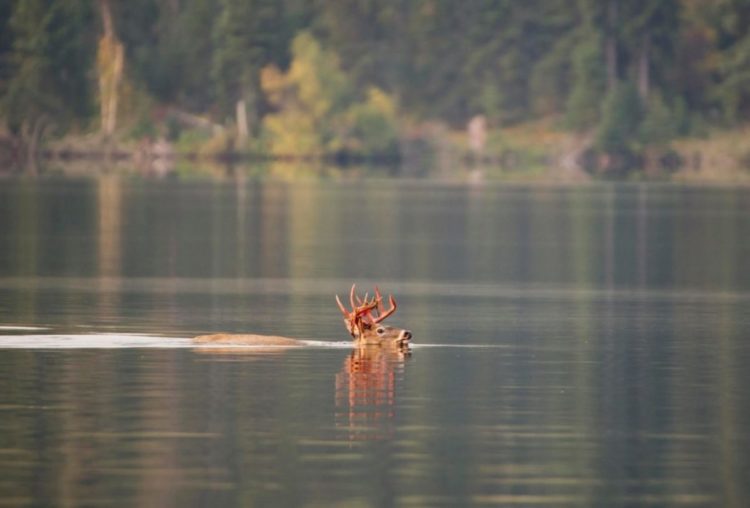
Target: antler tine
{"points": [[382, 316], [364, 310], [379, 299], [362, 314], [360, 302], [341, 306], [352, 295], [370, 305]]}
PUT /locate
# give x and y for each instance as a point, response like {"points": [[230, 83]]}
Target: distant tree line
{"points": [[634, 72]]}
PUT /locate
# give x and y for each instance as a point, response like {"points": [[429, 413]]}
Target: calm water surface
{"points": [[573, 346]]}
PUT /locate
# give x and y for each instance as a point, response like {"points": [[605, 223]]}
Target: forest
{"points": [[629, 78]]}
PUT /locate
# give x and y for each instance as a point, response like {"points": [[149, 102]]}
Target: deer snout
{"points": [[404, 336]]}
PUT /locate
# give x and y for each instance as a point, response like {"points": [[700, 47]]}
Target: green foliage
{"points": [[143, 127], [373, 124], [621, 117], [6, 38], [734, 91], [587, 90], [551, 78], [192, 140], [489, 100], [179, 70], [660, 124], [51, 54]]}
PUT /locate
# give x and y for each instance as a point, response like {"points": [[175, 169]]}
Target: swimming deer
{"points": [[363, 322]]}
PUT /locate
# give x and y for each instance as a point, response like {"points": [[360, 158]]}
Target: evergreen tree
{"points": [[6, 41], [175, 66], [650, 28], [246, 37], [660, 125], [588, 82], [733, 91], [47, 67], [621, 117]]}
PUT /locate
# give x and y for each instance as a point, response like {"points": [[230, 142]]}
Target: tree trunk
{"points": [[106, 11], [242, 128], [644, 81], [611, 45], [31, 135], [110, 62]]}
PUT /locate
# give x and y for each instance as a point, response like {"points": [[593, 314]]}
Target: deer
{"points": [[363, 322]]}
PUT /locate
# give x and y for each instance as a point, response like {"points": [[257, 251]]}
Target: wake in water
{"points": [[139, 341], [92, 341], [14, 328]]}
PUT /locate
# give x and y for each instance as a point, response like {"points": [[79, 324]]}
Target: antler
{"points": [[358, 309], [362, 309], [382, 313]]}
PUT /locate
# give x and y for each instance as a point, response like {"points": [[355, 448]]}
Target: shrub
{"points": [[621, 117]]}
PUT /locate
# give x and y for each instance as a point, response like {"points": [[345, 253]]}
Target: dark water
{"points": [[573, 346]]}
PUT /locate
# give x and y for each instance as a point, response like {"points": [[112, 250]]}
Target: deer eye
{"points": [[380, 330]]}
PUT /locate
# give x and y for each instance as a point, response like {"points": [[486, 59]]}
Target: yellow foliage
{"points": [[303, 99], [274, 84], [381, 102], [292, 132], [316, 107], [310, 93]]}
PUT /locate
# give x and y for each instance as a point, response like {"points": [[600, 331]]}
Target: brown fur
{"points": [[245, 339]]}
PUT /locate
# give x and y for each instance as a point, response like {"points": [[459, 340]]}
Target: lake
{"points": [[573, 346]]}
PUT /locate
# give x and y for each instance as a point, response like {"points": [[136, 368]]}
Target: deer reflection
{"points": [[366, 391], [365, 387]]}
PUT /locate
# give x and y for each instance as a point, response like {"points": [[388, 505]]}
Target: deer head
{"points": [[364, 320]]}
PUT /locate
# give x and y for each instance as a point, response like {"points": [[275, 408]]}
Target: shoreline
{"points": [[526, 153]]}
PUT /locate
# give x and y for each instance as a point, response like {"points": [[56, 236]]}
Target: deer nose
{"points": [[406, 335]]}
